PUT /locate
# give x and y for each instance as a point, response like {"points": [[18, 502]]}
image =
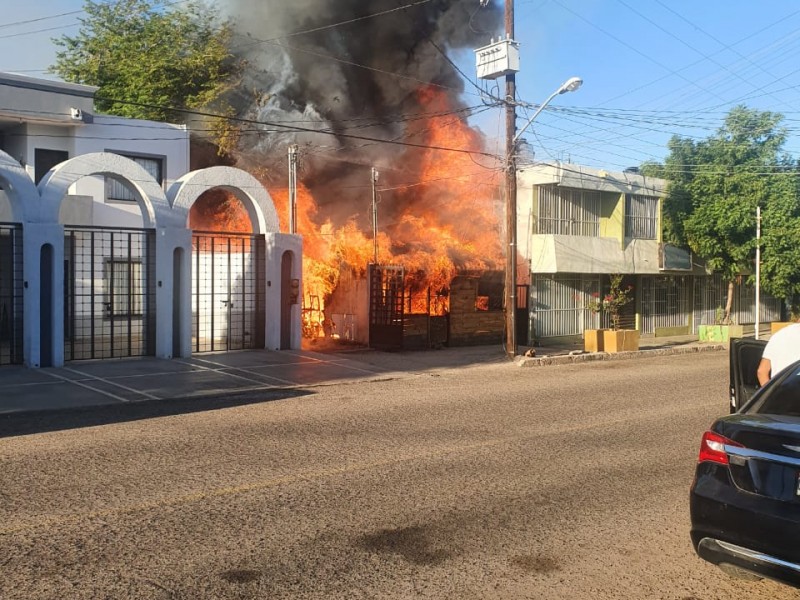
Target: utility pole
{"points": [[501, 58], [758, 270], [375, 214], [293, 188], [511, 197]]}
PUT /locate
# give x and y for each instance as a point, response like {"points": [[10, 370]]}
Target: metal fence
{"points": [[228, 291], [10, 294], [109, 293], [560, 304], [710, 297], [665, 302]]}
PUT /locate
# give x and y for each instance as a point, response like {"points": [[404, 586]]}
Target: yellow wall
{"points": [[612, 215]]}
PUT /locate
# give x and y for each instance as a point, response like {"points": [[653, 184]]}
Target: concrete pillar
{"points": [[169, 292], [36, 236], [277, 244]]}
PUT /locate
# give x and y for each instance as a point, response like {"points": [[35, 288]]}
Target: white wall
{"points": [[119, 135], [576, 254], [45, 226]]}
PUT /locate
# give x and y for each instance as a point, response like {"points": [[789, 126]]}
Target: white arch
{"points": [[256, 200], [20, 189], [148, 192]]}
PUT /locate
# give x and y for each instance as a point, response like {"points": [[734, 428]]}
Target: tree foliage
{"points": [[714, 188], [148, 58]]}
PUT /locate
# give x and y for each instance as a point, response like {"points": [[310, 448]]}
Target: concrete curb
{"points": [[566, 359]]}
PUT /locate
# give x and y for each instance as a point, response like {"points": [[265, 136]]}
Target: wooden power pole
{"points": [[511, 197]]}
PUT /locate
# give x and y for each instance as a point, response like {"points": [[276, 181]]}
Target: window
{"points": [[124, 288], [567, 211], [560, 302], [44, 160], [118, 191], [781, 398], [641, 217]]}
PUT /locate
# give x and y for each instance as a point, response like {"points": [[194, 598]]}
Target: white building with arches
{"points": [[97, 259]]}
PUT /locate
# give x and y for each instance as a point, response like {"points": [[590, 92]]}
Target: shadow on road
{"points": [[28, 423]]}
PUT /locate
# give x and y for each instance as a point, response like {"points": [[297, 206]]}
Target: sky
{"points": [[651, 69]]}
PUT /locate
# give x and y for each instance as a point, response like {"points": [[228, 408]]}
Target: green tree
{"points": [[148, 58], [780, 251], [714, 188]]}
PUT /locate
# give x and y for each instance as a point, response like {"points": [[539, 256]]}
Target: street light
{"points": [[570, 85]]}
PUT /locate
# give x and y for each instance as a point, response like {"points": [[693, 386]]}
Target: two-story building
{"points": [[97, 257], [578, 225]]}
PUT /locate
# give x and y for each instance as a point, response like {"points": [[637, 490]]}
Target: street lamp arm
{"points": [[570, 85]]}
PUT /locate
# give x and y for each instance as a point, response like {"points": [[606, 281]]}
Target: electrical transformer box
{"points": [[498, 59]]}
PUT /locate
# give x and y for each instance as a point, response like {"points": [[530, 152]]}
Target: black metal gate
{"points": [[522, 316], [109, 293], [10, 295], [386, 301], [228, 291]]}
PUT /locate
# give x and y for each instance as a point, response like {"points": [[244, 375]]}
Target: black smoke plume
{"points": [[327, 65]]}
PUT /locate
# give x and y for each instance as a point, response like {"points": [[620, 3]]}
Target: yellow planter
{"points": [[778, 325], [593, 340], [624, 340]]}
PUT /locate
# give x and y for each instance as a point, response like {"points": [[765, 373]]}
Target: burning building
{"points": [[358, 86]]}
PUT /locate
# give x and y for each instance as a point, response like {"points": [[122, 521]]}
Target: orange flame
{"points": [[219, 210], [450, 221], [439, 213]]}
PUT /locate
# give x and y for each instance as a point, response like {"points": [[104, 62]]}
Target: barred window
{"points": [[566, 211], [116, 190], [124, 287], [560, 304], [641, 217]]}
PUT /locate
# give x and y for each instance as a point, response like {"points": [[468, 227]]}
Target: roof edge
{"points": [[47, 85]]}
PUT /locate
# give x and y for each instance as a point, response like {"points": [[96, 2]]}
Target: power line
{"points": [[295, 128], [456, 67], [740, 41], [688, 45], [66, 14], [365, 67], [634, 49], [332, 25], [714, 38], [15, 35]]}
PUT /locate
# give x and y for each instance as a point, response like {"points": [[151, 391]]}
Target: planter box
{"points": [[624, 340], [719, 333], [778, 325], [593, 340]]}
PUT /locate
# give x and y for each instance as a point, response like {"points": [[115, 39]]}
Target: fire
{"points": [[219, 210], [437, 215], [449, 222]]}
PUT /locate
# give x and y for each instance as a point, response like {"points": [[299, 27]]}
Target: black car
{"points": [[745, 498]]}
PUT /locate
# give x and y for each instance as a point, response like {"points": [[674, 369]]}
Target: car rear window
{"points": [[782, 398]]}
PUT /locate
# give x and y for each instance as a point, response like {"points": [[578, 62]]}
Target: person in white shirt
{"points": [[782, 349]]}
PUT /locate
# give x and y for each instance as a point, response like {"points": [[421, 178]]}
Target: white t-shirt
{"points": [[783, 348]]}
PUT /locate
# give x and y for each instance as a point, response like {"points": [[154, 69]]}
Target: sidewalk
{"points": [[260, 374], [649, 346]]}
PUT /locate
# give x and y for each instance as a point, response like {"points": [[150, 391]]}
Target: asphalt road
{"points": [[561, 482]]}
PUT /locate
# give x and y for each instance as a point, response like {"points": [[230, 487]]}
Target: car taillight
{"points": [[712, 448]]}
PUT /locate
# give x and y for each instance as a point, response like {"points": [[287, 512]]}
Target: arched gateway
{"points": [[116, 291]]}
